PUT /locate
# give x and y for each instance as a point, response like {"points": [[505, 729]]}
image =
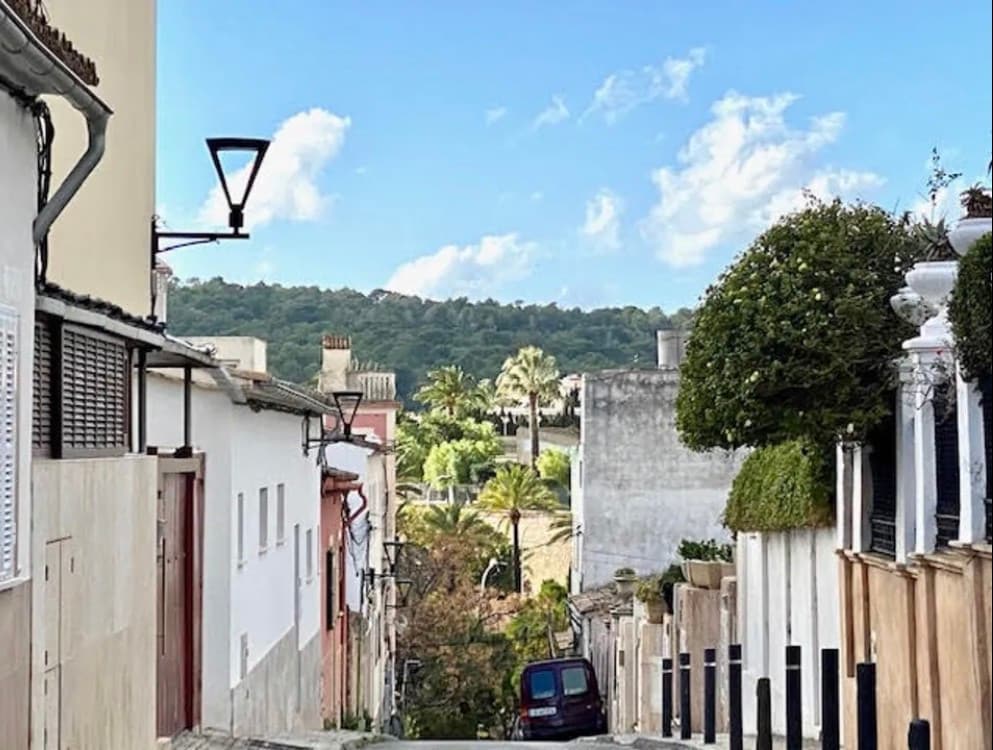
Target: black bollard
{"points": [[735, 737], [919, 735], [763, 723], [685, 712], [709, 696], [794, 702], [667, 697], [865, 678], [830, 732]]}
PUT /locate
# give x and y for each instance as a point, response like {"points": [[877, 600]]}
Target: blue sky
{"points": [[588, 153]]}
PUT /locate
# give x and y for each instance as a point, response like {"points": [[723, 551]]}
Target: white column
{"points": [[972, 462], [925, 487], [843, 498], [906, 499], [861, 499]]}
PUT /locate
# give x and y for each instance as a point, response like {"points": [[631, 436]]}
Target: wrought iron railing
{"points": [[946, 461]]}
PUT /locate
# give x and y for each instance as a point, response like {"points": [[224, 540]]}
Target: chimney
{"points": [[160, 278], [336, 356], [671, 344]]}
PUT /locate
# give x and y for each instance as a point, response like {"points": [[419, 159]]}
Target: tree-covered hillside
{"points": [[412, 335]]}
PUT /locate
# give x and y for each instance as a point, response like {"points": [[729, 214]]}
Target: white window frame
{"points": [[240, 541], [263, 519], [280, 514]]}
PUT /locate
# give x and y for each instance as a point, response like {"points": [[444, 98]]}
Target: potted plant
{"points": [[704, 562], [977, 202], [625, 579], [649, 593]]}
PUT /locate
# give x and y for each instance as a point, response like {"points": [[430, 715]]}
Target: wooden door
{"points": [[175, 604]]}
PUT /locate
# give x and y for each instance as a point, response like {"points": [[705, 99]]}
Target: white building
{"points": [[260, 496], [636, 489]]}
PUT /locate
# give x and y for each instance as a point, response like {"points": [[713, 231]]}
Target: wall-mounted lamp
{"points": [[403, 587], [346, 403], [256, 148], [392, 550]]}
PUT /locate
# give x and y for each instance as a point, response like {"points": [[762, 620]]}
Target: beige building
{"points": [[113, 209]]}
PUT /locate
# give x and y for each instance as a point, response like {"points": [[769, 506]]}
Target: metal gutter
{"points": [[27, 62]]}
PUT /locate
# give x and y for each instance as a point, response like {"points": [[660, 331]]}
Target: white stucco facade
{"points": [[249, 599], [637, 490], [18, 206]]}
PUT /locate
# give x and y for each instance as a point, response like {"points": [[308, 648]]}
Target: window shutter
{"points": [[94, 392], [41, 415], [8, 443]]}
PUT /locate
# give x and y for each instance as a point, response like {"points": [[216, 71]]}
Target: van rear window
{"points": [[574, 681], [541, 684]]}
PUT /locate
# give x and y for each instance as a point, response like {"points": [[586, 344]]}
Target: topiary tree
{"points": [[969, 310], [797, 338]]}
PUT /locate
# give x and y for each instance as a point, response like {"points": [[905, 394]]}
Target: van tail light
{"points": [[523, 712]]}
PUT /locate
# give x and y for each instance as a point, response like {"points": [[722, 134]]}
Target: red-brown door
{"points": [[175, 604]]}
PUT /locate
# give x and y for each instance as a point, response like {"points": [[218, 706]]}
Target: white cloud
{"points": [[626, 90], [603, 220], [475, 271], [741, 171], [495, 114], [553, 114], [286, 186]]}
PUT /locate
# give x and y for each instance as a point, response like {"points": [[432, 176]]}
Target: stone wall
{"points": [[640, 489]]}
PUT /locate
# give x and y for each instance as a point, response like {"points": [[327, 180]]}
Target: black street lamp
{"points": [[256, 147], [347, 404]]}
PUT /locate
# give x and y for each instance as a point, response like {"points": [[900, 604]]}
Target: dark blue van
{"points": [[560, 700]]}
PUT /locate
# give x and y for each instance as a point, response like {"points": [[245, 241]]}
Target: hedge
{"points": [[971, 309], [780, 487]]}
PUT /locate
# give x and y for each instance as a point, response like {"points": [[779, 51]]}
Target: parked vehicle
{"points": [[560, 699]]}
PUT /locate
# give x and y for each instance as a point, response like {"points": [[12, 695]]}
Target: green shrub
{"points": [[970, 310], [708, 550], [797, 337], [649, 589], [781, 487]]}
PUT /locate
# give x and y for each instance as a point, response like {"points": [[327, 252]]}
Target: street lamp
{"points": [[347, 404], [256, 148]]}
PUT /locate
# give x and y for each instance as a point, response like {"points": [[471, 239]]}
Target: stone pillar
{"points": [[671, 344], [905, 482], [972, 462]]}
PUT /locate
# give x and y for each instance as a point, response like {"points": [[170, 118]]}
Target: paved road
{"points": [[494, 745]]}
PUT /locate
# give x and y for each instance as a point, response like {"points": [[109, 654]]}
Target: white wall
{"points": [[18, 201], [642, 489], [245, 451], [787, 595]]}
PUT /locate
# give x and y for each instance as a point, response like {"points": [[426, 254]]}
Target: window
{"points": [[330, 589], [280, 513], [310, 554], [574, 681], [946, 464], [263, 519], [81, 395], [241, 528], [9, 320], [542, 684]]}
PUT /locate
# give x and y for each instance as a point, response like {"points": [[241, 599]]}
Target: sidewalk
{"points": [[644, 742], [332, 740]]}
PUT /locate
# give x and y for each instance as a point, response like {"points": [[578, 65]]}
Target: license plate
{"points": [[544, 711]]}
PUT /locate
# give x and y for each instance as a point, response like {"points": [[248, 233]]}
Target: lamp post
{"points": [[236, 208], [347, 405]]}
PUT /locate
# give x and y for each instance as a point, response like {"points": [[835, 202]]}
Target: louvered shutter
{"points": [[8, 443], [94, 393], [41, 414]]}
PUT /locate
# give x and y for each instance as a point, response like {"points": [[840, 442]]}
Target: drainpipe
{"points": [[39, 71]]}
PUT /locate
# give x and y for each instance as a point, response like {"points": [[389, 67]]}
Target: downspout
{"points": [[39, 71]]}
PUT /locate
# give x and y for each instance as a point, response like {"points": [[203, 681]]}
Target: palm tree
{"points": [[452, 520], [448, 389], [514, 489], [561, 528], [531, 377]]}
